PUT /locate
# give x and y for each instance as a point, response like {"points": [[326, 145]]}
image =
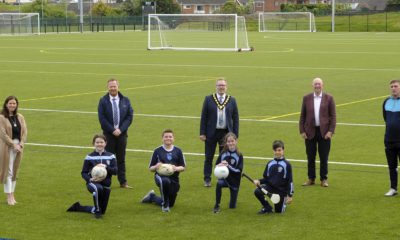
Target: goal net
{"points": [[286, 22], [19, 23], [214, 32]]}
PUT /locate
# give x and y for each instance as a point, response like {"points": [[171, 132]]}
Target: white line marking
{"points": [[109, 74], [206, 66], [194, 117], [201, 154]]}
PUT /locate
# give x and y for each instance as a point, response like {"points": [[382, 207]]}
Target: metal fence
{"points": [[372, 21], [92, 24]]}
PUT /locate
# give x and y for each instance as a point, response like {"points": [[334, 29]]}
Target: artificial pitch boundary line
{"points": [[204, 66], [124, 89], [201, 154], [194, 117]]}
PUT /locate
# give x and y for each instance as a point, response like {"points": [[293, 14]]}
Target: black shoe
{"points": [[74, 207], [264, 211], [98, 215], [217, 209], [207, 183], [148, 198]]}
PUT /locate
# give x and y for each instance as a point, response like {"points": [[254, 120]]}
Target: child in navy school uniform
{"points": [[100, 189], [278, 179], [169, 186], [233, 159]]}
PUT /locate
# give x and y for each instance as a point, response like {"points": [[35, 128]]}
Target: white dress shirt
{"points": [[317, 106]]}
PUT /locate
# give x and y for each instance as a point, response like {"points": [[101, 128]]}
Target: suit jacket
{"points": [[106, 115], [208, 122], [327, 115], [6, 143]]}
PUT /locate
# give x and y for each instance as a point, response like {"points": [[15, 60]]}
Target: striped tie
{"points": [[115, 112]]}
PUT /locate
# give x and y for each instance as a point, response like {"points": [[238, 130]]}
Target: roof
{"points": [[373, 4]]}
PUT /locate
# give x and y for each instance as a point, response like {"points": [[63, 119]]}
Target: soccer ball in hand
{"points": [[221, 172], [165, 169], [99, 173]]}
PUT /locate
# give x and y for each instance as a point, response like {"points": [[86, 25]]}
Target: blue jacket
{"points": [[278, 177], [235, 166], [106, 115], [95, 158], [208, 122], [391, 115]]}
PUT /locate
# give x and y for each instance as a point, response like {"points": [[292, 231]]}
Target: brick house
{"points": [[200, 6]]}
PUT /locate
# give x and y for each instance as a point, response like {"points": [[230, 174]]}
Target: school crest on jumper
{"points": [[169, 156], [219, 105]]}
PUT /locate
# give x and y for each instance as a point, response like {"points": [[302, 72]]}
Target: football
{"points": [[99, 172], [165, 169], [221, 172]]}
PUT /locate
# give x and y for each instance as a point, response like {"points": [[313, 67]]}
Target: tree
{"points": [[49, 10], [167, 6], [102, 9], [232, 7], [132, 7]]}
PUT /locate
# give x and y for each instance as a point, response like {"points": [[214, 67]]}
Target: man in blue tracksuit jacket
{"points": [[391, 115]]}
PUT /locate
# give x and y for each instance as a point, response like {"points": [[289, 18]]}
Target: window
{"points": [[215, 8], [187, 6], [200, 8]]}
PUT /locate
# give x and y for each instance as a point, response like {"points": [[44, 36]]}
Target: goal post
{"points": [[209, 32], [19, 23], [286, 22]]}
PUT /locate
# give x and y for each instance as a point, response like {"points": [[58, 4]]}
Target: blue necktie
{"points": [[115, 112]]}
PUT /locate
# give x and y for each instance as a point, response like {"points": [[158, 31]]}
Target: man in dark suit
{"points": [[219, 116], [115, 116], [317, 125]]}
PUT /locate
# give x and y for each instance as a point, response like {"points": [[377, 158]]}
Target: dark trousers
{"points": [[279, 207], [210, 146], [323, 146], [117, 146], [169, 191], [392, 151], [100, 195], [222, 183]]}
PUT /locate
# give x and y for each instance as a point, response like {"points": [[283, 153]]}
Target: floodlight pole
{"points": [[333, 15], [81, 15], [42, 8]]}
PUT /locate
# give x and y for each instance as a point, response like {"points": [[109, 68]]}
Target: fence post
{"points": [[368, 21], [386, 13], [349, 22]]}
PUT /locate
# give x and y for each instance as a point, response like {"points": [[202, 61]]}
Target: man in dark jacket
{"points": [[115, 116], [219, 116]]}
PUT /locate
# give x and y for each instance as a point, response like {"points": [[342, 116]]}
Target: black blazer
{"points": [[209, 117]]}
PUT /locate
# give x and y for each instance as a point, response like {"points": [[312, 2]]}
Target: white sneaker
{"points": [[392, 192], [165, 209]]}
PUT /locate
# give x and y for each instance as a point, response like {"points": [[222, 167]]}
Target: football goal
{"points": [[19, 23], [286, 22], [212, 32]]}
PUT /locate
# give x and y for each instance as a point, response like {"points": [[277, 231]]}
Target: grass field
{"points": [[60, 78]]}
